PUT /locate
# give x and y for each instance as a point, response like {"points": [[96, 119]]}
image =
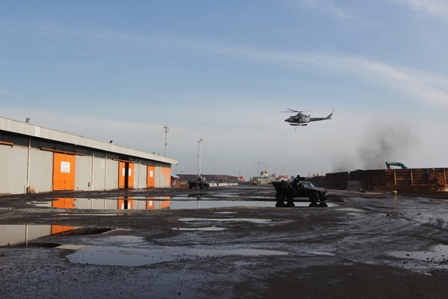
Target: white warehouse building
{"points": [[36, 159]]}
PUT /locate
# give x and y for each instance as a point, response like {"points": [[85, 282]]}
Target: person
{"points": [[298, 181]]}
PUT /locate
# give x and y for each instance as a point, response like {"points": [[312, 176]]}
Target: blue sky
{"points": [[223, 71]]}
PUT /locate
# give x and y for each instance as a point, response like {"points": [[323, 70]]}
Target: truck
{"points": [[287, 191]]}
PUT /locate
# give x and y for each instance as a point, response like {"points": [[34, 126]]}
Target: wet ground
{"points": [[224, 242]]}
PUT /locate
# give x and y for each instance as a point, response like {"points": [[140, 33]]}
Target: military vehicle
{"points": [[198, 184], [287, 191]]}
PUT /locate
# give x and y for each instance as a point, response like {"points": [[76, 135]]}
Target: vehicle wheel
{"points": [[280, 204], [290, 204], [314, 197], [279, 196], [323, 198]]}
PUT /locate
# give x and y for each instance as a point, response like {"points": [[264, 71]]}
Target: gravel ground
{"points": [[363, 245]]}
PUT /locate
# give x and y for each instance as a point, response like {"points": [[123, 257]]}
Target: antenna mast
{"points": [[199, 156]]}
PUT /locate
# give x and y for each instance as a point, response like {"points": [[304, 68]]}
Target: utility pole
{"points": [[167, 128], [199, 156]]}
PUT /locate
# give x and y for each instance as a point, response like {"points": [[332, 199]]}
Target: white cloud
{"points": [[424, 87], [327, 6], [432, 7]]}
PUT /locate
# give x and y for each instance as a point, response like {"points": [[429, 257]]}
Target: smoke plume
{"points": [[385, 140]]}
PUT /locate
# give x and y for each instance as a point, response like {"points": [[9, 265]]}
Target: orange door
{"points": [[121, 174], [125, 175], [167, 174], [166, 203], [130, 175], [61, 229], [63, 203], [63, 172], [150, 177], [125, 203]]}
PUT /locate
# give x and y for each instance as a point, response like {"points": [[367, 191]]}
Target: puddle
{"points": [[156, 203], [89, 214], [350, 210], [119, 203], [23, 234], [207, 229], [253, 220], [197, 194], [322, 253], [436, 257], [206, 204], [136, 252]]}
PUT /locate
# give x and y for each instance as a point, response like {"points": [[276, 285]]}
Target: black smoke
{"points": [[382, 140], [385, 140]]}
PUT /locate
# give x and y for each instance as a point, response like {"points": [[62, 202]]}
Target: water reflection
{"points": [[135, 251], [163, 202], [281, 204], [120, 203], [23, 233]]}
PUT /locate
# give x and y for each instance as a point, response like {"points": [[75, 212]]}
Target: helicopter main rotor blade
{"points": [[291, 111]]}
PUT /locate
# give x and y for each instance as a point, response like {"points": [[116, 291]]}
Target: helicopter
{"points": [[302, 119]]}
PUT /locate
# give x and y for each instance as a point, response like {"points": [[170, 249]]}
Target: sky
{"points": [[223, 71]]}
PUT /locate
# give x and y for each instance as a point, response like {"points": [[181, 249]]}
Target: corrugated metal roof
{"points": [[27, 129]]}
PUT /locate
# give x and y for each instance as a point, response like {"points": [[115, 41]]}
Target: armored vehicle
{"points": [[286, 191], [198, 184]]}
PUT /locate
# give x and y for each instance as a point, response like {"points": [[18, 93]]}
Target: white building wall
{"points": [[99, 171], [111, 176], [91, 173], [160, 180], [41, 170], [95, 204], [140, 176], [13, 170], [83, 173], [18, 234]]}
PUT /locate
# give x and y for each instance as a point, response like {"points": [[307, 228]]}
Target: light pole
{"points": [[167, 128], [199, 156]]}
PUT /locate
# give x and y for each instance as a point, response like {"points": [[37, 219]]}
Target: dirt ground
{"points": [[215, 244]]}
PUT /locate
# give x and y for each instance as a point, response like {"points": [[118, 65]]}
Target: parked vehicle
{"points": [[198, 184], [288, 190]]}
